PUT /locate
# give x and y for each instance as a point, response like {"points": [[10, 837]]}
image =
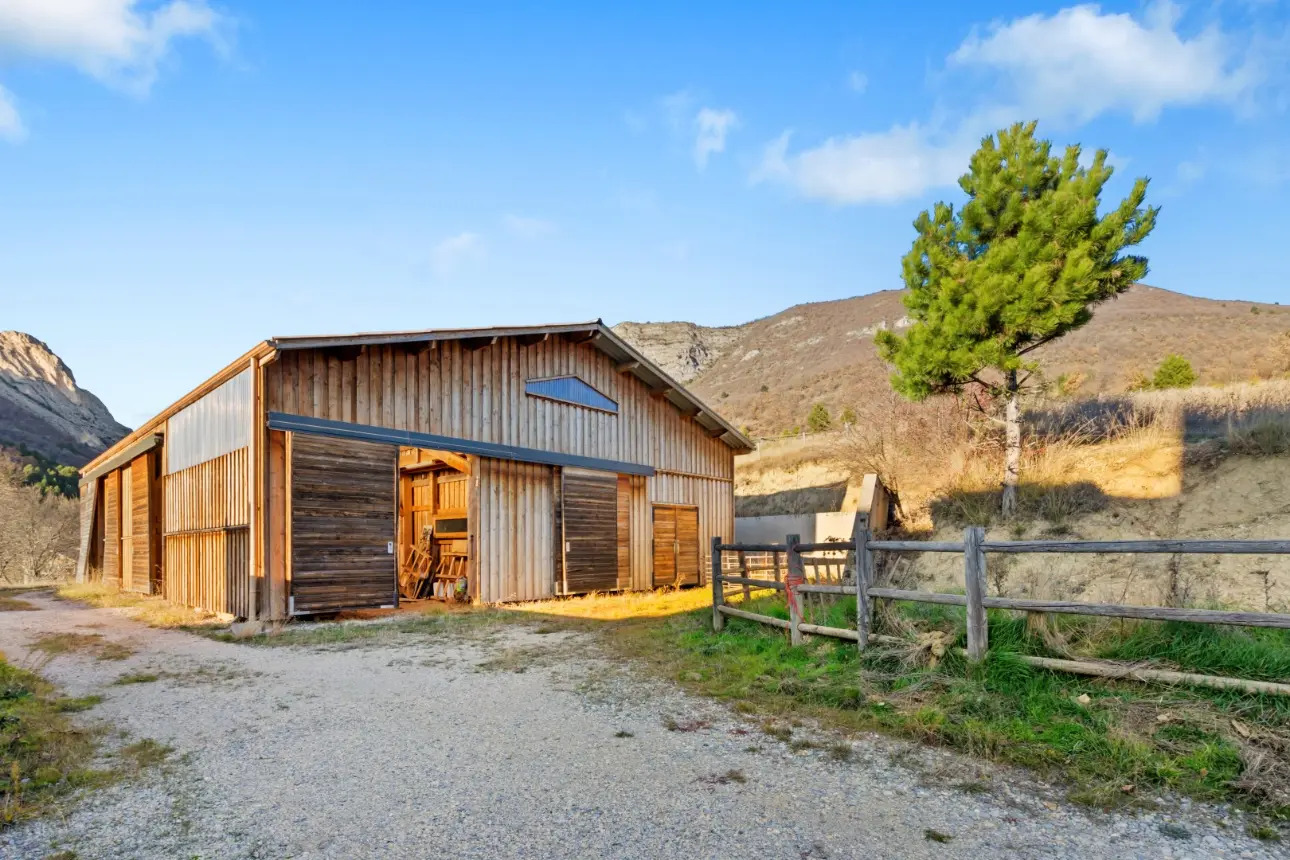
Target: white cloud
{"points": [[116, 41], [1080, 62], [711, 127], [527, 228], [11, 127], [1072, 66], [456, 250], [879, 167], [858, 82]]}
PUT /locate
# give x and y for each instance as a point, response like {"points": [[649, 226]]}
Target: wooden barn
{"points": [[315, 474]]}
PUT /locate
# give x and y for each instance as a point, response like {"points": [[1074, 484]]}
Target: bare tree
{"points": [[38, 534]]}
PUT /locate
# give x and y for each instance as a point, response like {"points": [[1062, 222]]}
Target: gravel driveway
{"points": [[437, 748]]}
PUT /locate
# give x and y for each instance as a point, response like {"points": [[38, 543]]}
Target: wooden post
{"points": [[718, 589], [796, 576], [864, 579], [974, 580], [743, 571]]}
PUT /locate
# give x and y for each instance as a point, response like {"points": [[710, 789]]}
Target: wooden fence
{"points": [[858, 580]]}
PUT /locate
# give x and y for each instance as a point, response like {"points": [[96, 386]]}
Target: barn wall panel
{"points": [[205, 521], [513, 530]]}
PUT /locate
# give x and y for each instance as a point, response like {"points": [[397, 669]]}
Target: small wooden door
{"points": [[676, 545], [589, 520]]}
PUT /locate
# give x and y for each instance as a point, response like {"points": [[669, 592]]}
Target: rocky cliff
{"points": [[43, 409], [684, 350]]}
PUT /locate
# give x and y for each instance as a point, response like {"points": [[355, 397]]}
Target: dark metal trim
{"points": [[122, 457], [389, 435]]}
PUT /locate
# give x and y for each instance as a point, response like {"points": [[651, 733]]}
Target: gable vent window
{"points": [[570, 389]]}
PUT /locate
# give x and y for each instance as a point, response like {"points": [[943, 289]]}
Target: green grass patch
{"points": [[136, 678], [1114, 742], [42, 754]]}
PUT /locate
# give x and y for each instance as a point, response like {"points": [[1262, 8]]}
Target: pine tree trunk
{"points": [[1012, 452]]}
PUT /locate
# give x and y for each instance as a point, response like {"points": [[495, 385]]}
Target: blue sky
{"points": [[181, 179]]}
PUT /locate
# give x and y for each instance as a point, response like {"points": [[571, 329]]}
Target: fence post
{"points": [[718, 588], [796, 576], [974, 579], [864, 578], [743, 571], [775, 563]]}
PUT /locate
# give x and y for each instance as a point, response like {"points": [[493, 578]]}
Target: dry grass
{"points": [[619, 607], [153, 611], [93, 644], [13, 604]]}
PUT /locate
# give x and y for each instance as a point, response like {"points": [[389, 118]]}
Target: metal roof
{"points": [[598, 334]]}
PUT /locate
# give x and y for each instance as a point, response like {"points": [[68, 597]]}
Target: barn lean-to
{"points": [[535, 461]]}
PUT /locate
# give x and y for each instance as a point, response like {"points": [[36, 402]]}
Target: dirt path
{"points": [[438, 748]]}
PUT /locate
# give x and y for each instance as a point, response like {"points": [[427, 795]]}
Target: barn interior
{"points": [[433, 525]]}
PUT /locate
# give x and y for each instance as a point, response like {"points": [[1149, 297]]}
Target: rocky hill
{"points": [[44, 410], [766, 374]]}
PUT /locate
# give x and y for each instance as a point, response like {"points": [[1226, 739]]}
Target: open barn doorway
{"points": [[434, 525]]}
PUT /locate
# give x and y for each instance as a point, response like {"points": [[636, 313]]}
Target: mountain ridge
{"points": [[764, 375]]}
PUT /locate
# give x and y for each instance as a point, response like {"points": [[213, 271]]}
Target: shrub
{"points": [[819, 420], [1174, 372], [848, 417]]}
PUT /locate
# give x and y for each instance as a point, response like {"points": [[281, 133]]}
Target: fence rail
{"points": [[859, 559]]}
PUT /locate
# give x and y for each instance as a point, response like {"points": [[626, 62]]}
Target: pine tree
{"points": [[1174, 372], [819, 419], [1019, 265]]}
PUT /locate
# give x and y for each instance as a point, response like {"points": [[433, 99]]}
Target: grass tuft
{"points": [[145, 753], [136, 678]]}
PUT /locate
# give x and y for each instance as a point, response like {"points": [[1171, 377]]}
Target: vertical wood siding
{"points": [[479, 394], [515, 510], [206, 526]]}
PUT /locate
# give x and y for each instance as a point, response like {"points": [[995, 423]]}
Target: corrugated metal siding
{"points": [[206, 526], [514, 519], [569, 389], [218, 424]]}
